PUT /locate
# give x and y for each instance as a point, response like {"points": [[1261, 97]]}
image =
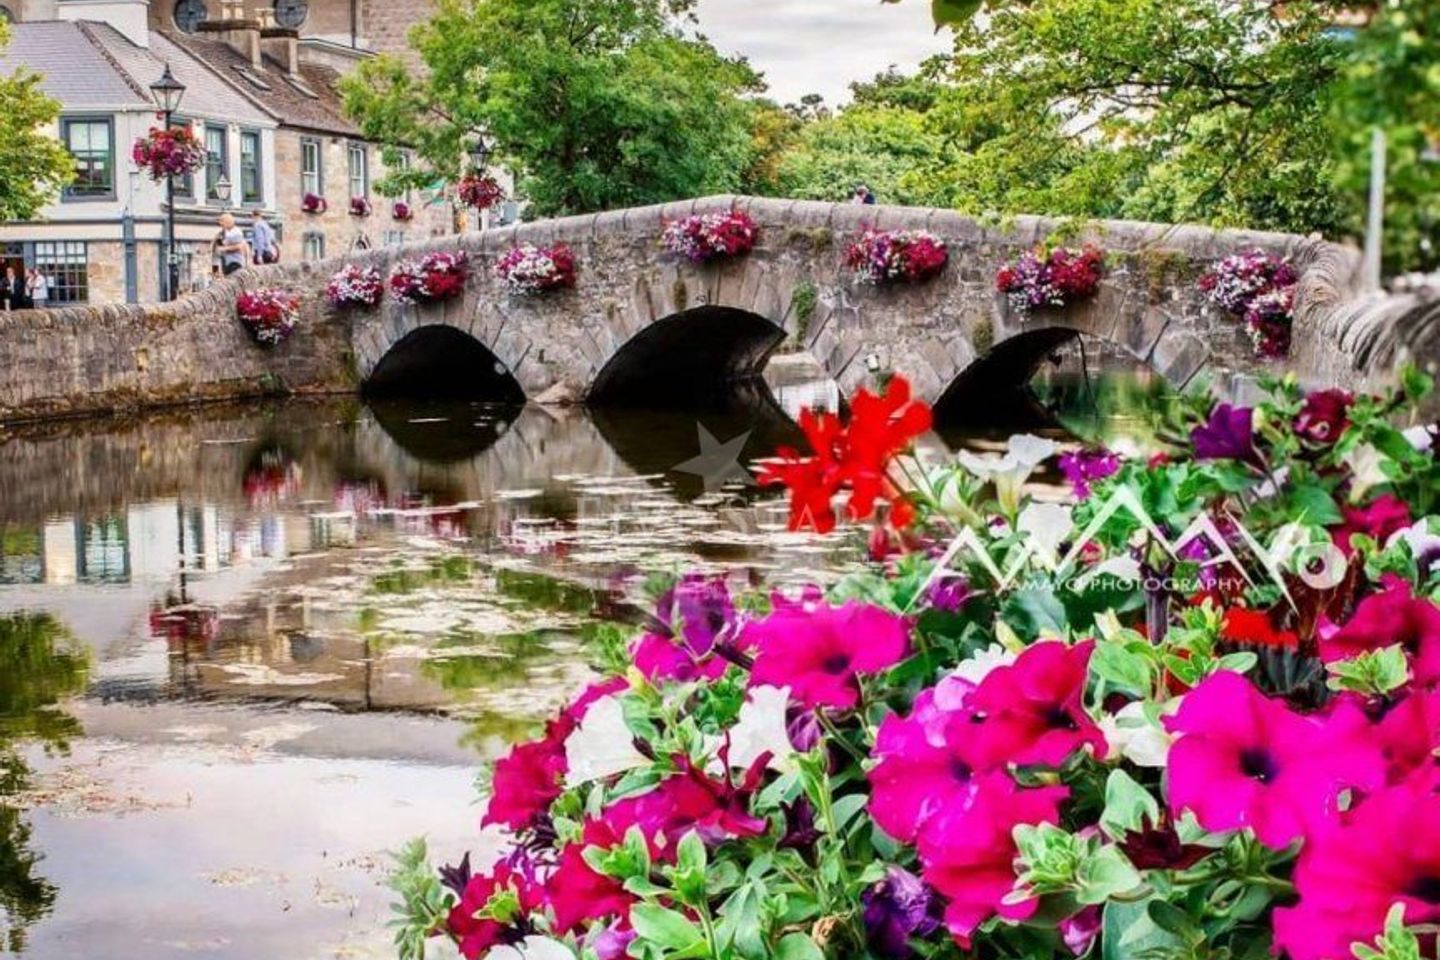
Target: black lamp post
{"points": [[168, 92], [479, 154]]}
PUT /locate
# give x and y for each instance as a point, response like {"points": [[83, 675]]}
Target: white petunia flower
{"points": [[1023, 453], [601, 746], [1364, 462], [1045, 526], [761, 728], [978, 666], [1131, 734]]}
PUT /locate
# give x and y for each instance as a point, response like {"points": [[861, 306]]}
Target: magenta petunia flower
{"points": [[1083, 467], [1036, 704], [1385, 851], [576, 893], [1409, 734], [1324, 416], [969, 855], [660, 658], [1385, 516], [1228, 435], [1245, 760], [819, 653], [475, 935], [1394, 615]]}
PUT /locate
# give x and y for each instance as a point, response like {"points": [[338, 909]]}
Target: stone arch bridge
{"points": [[640, 323]]}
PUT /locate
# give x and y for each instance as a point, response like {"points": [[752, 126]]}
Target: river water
{"points": [[246, 650]]}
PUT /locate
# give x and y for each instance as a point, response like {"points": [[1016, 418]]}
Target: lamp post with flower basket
{"points": [[168, 93]]}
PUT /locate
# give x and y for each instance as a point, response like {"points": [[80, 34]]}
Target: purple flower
{"points": [[800, 830], [703, 608], [1084, 467], [1228, 435], [895, 909], [948, 594], [612, 942], [458, 876]]}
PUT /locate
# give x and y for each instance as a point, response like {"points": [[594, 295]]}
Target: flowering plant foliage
{"points": [[1057, 279], [431, 279], [1134, 751], [359, 207], [896, 256], [703, 237], [400, 210], [528, 269], [269, 315], [173, 152], [313, 203], [355, 286], [1260, 289], [479, 191]]}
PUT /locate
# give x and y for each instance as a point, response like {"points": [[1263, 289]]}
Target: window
{"points": [[92, 144], [251, 190], [402, 165], [217, 160], [64, 264], [394, 238], [184, 185], [312, 246], [359, 171], [312, 169]]}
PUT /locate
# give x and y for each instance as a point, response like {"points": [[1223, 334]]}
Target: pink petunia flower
{"points": [[576, 893], [969, 855], [1409, 734], [1385, 851], [819, 654], [474, 935], [1387, 515], [1394, 615], [1036, 704], [1245, 760]]}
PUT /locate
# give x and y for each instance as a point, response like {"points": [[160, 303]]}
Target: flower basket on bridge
{"points": [[164, 153], [1058, 279], [401, 210], [703, 237], [1260, 289], [528, 269], [896, 256], [431, 279], [479, 191], [269, 315], [355, 286], [359, 207], [313, 203]]}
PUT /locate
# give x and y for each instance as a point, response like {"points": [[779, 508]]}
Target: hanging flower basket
{"points": [[479, 191], [703, 237], [359, 207], [313, 203], [164, 153], [896, 256], [431, 279], [528, 269], [269, 315], [1259, 289], [272, 477], [1057, 279], [401, 211], [355, 286]]}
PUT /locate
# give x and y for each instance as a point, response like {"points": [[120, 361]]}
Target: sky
{"points": [[820, 46]]}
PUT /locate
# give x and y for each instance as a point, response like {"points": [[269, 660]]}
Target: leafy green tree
{"points": [[33, 164], [595, 105]]}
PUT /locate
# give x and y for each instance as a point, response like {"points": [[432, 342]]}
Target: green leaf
{"points": [[951, 13], [664, 927], [797, 946], [1105, 874], [1128, 806]]}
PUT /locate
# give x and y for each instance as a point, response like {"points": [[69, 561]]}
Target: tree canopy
{"points": [[594, 105], [33, 164]]}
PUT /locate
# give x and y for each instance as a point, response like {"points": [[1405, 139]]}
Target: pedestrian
{"points": [[863, 194], [230, 244], [37, 289], [6, 283], [262, 238]]}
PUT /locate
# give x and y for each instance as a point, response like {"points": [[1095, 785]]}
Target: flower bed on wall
{"points": [[1258, 288], [896, 256], [705, 237], [528, 269], [1043, 749], [269, 315], [173, 152], [433, 278], [355, 286], [1056, 279]]}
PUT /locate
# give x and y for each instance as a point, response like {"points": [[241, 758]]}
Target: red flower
{"points": [[1385, 516], [1324, 416], [1392, 616], [476, 935], [576, 893], [1255, 626]]}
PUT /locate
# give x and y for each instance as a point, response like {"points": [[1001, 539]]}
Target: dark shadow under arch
{"points": [[444, 430], [992, 390], [442, 363], [691, 357]]}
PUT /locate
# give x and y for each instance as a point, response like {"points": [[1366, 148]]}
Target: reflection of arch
{"points": [[653, 443], [692, 355], [443, 431], [442, 362]]}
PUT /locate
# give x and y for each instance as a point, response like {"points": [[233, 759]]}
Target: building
{"points": [[261, 99]]}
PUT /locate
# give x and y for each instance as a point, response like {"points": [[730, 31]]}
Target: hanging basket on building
{"points": [[479, 191], [269, 315], [168, 153], [359, 207], [401, 211], [313, 203]]}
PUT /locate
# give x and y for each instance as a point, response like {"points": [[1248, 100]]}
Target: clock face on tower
{"points": [[291, 13], [189, 14]]}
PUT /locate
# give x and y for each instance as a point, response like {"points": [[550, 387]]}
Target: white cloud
{"points": [[821, 46]]}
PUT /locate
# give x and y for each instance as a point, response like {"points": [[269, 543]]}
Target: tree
{"points": [[595, 105], [33, 164]]}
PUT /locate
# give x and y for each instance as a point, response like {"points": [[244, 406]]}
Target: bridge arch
{"points": [[437, 361]]}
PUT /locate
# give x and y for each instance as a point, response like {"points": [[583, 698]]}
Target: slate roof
{"points": [[73, 69]]}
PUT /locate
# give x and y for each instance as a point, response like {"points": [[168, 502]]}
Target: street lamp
{"points": [[222, 190], [479, 153], [168, 93]]}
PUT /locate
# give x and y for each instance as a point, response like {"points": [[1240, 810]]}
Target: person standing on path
{"points": [[262, 238], [234, 251], [38, 289]]}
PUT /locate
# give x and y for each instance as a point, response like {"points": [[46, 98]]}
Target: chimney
{"points": [[130, 17], [279, 44], [238, 31]]}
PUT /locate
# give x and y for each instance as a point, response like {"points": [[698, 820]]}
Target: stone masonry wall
{"points": [[107, 357]]}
